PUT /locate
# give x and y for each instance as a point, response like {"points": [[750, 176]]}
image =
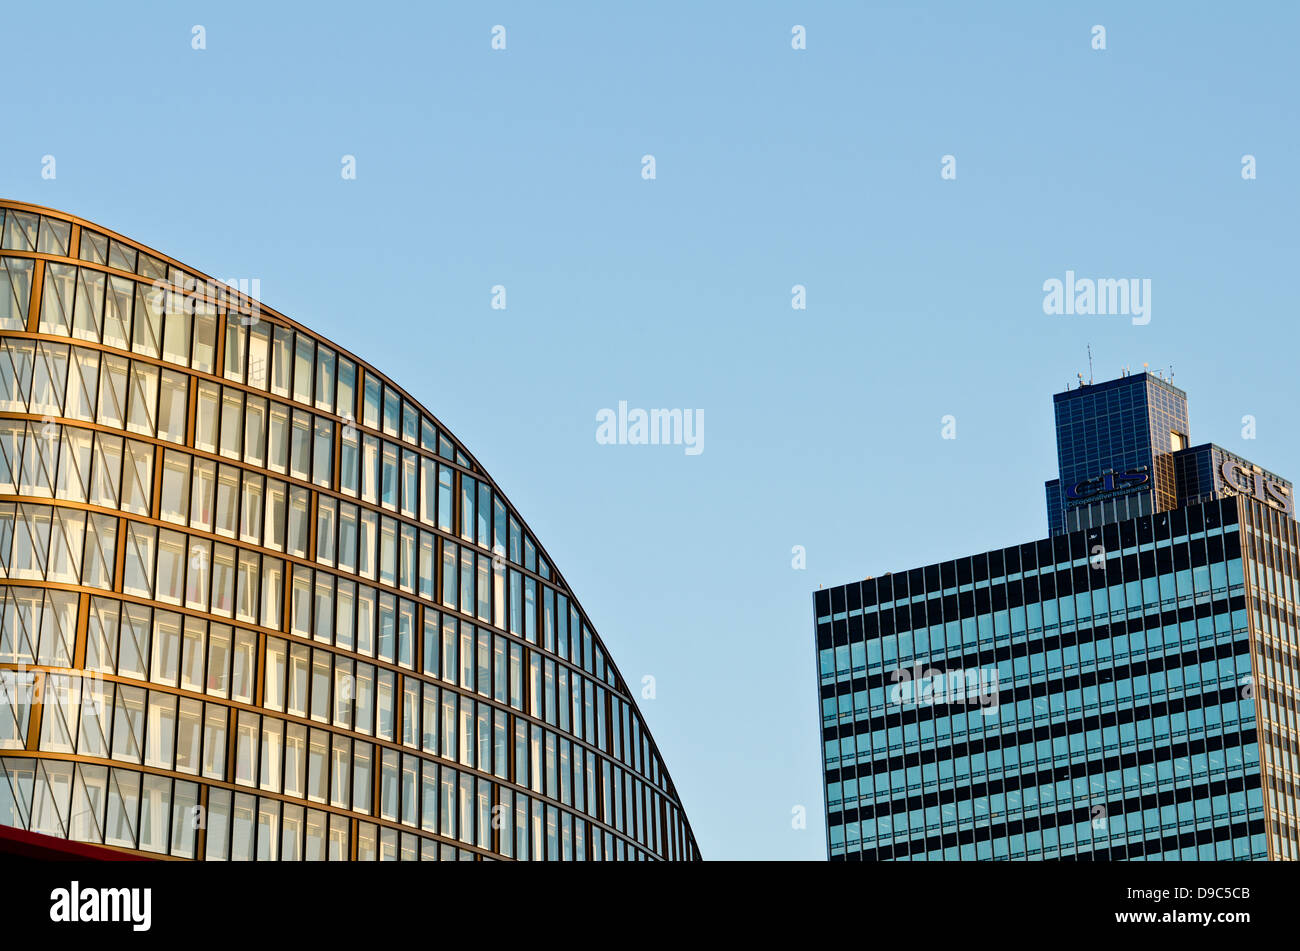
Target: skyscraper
{"points": [[1124, 688], [256, 602]]}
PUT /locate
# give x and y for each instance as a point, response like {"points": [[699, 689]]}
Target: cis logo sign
{"points": [[1237, 477], [1109, 482]]}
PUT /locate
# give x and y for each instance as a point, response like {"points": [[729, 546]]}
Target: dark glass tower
{"points": [[1115, 442], [1118, 690]]}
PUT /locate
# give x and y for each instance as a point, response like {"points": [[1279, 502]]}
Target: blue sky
{"points": [[774, 167]]}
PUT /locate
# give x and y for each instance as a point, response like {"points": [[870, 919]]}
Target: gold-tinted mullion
{"points": [[34, 304]]}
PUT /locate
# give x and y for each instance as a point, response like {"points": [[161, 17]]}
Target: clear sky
{"points": [[774, 167]]}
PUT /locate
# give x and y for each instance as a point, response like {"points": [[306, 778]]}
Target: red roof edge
{"points": [[20, 843]]}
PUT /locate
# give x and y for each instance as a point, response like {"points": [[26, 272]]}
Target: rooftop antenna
{"points": [[1090, 364]]}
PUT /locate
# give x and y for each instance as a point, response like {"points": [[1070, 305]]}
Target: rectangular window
{"points": [[392, 411], [345, 614], [484, 525], [205, 342], [368, 541], [188, 736], [173, 406], [272, 593], [272, 753], [318, 751], [193, 648], [467, 495], [243, 666], [281, 357], [347, 537], [277, 448], [176, 337], [205, 425], [322, 464], [299, 656], [165, 663], [324, 608], [303, 364], [410, 423], [259, 354], [343, 690], [223, 580], [340, 771], [406, 559], [320, 685], [247, 738], [388, 551], [385, 694], [445, 511], [219, 651], [365, 699], [277, 515], [450, 640], [362, 757], [276, 668], [370, 402], [203, 494], [299, 503], [227, 503], [411, 712], [236, 343], [300, 443], [427, 566], [346, 403], [255, 431], [232, 422], [387, 626], [428, 491], [295, 760], [325, 379], [326, 516]]}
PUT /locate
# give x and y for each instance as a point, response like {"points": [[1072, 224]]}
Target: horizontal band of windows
{"points": [[158, 729], [975, 655], [119, 475], [156, 814], [1239, 829], [906, 715], [955, 692], [1060, 549], [55, 541], [886, 801], [857, 655], [137, 643], [1144, 582], [1186, 847], [982, 744]]}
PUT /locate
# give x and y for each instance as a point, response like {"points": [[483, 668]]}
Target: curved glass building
{"points": [[257, 603]]}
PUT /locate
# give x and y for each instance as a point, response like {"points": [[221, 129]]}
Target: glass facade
{"points": [[1126, 690], [257, 603], [1046, 701]]}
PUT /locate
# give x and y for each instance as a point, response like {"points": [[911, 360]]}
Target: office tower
{"points": [[1121, 689]]}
